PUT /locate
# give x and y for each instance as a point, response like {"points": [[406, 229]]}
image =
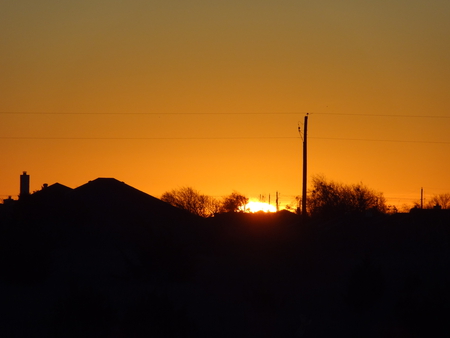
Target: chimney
{"points": [[24, 185]]}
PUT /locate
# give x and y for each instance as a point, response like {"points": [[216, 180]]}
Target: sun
{"points": [[259, 206]]}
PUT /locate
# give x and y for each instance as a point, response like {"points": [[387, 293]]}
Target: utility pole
{"points": [[305, 135], [421, 198], [276, 201]]}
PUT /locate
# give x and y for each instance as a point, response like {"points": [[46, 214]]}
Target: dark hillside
{"points": [[107, 260]]}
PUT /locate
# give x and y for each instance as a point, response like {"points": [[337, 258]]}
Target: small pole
{"points": [[421, 198], [305, 135]]}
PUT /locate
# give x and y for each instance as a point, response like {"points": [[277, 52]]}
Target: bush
{"points": [[331, 199], [191, 200]]}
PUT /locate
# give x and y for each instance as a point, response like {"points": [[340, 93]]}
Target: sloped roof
{"points": [[54, 193], [116, 198], [129, 214], [56, 188]]}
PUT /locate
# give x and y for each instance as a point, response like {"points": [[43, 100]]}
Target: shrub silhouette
{"points": [[330, 199], [441, 200], [234, 202], [193, 201]]}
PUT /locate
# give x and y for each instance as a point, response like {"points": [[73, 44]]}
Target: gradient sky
{"points": [[209, 94]]}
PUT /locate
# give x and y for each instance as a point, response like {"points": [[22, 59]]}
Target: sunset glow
{"points": [[162, 94], [254, 206]]}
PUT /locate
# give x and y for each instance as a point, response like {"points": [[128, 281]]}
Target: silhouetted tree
{"points": [[329, 198], [442, 200], [191, 200], [234, 202], [294, 205], [212, 206]]}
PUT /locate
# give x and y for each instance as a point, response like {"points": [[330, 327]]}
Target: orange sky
{"points": [[164, 94]]}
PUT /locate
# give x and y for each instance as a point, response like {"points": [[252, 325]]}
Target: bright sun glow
{"points": [[259, 206]]}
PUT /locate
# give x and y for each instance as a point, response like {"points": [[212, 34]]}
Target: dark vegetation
{"points": [[191, 200], [106, 260], [326, 200], [329, 199], [441, 201]]}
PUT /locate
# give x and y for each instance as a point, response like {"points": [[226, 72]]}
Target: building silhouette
{"points": [[24, 185]]}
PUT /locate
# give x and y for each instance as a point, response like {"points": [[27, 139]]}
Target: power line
{"points": [[217, 138], [378, 140], [148, 113], [225, 113], [144, 138], [386, 115]]}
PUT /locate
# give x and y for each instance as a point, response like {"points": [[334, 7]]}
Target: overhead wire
{"points": [[143, 138], [218, 138], [224, 113], [386, 115], [377, 140], [227, 138], [153, 113]]}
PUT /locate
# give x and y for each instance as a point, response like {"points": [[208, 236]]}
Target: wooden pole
{"points": [[305, 135], [421, 198], [276, 202]]}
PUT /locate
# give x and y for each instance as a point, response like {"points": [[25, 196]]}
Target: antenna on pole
{"points": [[305, 135]]}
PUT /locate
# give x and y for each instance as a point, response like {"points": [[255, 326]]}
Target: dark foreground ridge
{"points": [[108, 260]]}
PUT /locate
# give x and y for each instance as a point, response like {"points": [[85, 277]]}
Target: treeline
{"points": [[193, 201], [441, 201], [331, 199], [326, 199]]}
